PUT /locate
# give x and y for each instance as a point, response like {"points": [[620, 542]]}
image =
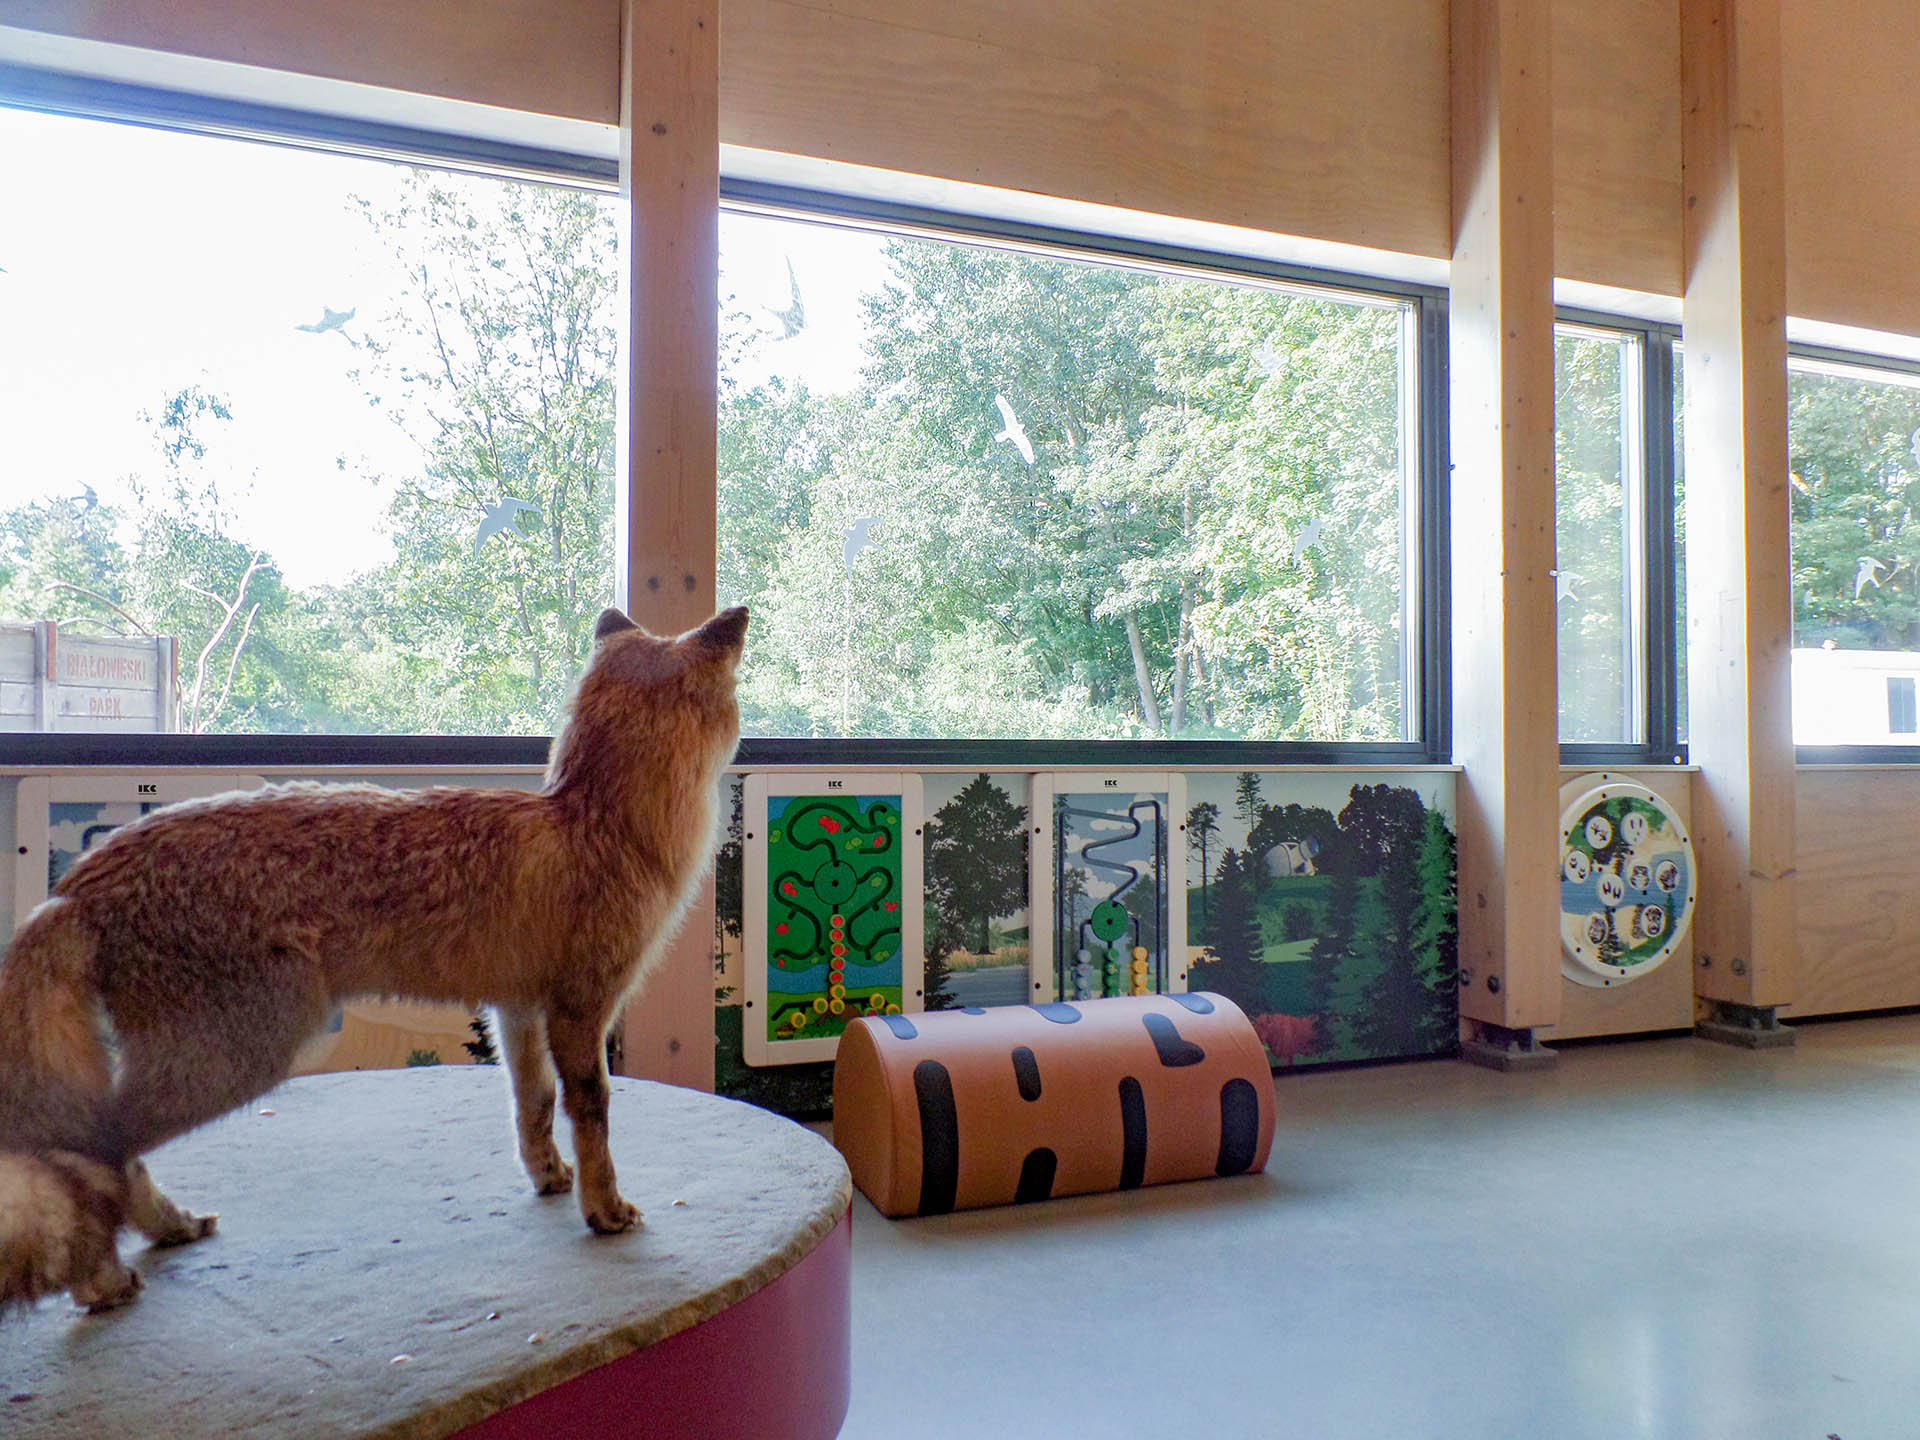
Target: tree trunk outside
{"points": [[1143, 677], [1178, 723]]}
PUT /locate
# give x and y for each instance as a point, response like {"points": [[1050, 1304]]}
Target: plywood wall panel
{"points": [[1320, 118], [1616, 125], [1858, 914], [550, 57], [1853, 171]]}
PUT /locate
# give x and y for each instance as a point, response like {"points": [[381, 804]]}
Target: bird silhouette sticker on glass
{"points": [[1014, 432], [501, 517], [330, 320]]}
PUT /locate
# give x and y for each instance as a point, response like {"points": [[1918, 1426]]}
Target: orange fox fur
{"points": [[211, 938]]}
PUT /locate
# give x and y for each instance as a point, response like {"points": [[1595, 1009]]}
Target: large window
{"points": [[1854, 484], [1617, 579], [308, 443], [979, 490], [330, 437], [1598, 597]]}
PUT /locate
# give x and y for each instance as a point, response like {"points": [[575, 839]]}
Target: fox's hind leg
{"points": [[228, 1039], [157, 1217], [523, 1044], [580, 1051], [107, 1284]]}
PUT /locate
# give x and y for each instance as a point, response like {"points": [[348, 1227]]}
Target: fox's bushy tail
{"points": [[62, 1182], [59, 1217]]}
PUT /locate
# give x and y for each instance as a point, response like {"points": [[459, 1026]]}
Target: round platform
{"points": [[383, 1268]]}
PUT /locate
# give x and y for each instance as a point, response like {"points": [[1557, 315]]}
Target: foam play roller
{"points": [[953, 1109]]}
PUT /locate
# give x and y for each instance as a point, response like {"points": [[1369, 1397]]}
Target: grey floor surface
{"points": [[1658, 1238]]}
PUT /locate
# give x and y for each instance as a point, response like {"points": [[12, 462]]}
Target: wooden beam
{"points": [[1739, 606], [664, 547], [1505, 713]]}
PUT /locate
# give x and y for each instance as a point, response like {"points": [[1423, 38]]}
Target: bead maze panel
{"points": [[833, 914], [1322, 903], [1118, 919]]}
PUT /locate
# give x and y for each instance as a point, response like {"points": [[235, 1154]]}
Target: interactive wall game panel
{"points": [[1119, 924], [1321, 902], [833, 913], [1626, 880]]}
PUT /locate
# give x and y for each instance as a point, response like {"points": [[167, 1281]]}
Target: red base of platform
{"points": [[777, 1366]]}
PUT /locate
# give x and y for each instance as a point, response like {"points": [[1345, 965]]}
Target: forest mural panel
{"points": [[1324, 906], [978, 917], [1322, 903]]}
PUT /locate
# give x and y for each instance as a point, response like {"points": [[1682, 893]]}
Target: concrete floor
{"points": [[1658, 1238]]}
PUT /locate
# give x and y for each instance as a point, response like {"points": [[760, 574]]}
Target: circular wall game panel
{"points": [[1626, 881]]}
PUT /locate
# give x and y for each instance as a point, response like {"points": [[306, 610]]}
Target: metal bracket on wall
{"points": [[1752, 1027], [1498, 1048]]}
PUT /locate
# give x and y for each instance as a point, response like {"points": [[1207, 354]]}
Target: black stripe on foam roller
{"points": [[1133, 1134], [1239, 1126], [1173, 1048], [1026, 1073], [901, 1026], [1036, 1176], [1194, 1001], [939, 1137]]}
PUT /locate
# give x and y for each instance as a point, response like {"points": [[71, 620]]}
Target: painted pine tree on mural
{"points": [[1231, 933]]}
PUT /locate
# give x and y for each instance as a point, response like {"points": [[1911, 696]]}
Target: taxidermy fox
{"points": [[177, 968]]}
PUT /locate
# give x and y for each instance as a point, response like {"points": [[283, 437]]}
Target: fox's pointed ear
{"points": [[611, 622], [725, 631]]}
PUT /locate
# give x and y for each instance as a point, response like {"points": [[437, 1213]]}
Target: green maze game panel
{"points": [[834, 916]]}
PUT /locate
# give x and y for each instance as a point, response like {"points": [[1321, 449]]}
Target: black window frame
{"points": [[83, 97], [1659, 637], [1431, 668], [25, 87]]}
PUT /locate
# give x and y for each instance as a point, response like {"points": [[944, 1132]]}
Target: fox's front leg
{"points": [[579, 1050], [523, 1044]]}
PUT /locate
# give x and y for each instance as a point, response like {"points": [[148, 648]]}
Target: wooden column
{"points": [[664, 548], [1739, 605], [1505, 712]]}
